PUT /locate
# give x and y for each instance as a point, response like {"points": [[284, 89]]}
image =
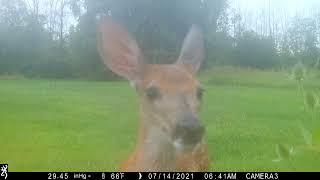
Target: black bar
{"points": [[161, 175], [73, 175]]}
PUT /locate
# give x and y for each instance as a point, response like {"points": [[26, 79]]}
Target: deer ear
{"points": [[192, 53], [118, 50]]}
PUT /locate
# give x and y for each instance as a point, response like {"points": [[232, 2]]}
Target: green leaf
{"points": [[307, 136], [316, 136], [311, 100], [283, 151]]}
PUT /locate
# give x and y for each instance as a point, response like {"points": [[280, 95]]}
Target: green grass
{"points": [[50, 125]]}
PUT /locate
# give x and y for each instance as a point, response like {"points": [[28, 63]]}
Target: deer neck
{"points": [[155, 150]]}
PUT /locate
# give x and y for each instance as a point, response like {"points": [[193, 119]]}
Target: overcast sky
{"points": [[254, 12], [291, 6]]}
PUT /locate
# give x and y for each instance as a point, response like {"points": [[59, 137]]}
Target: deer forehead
{"points": [[169, 78]]}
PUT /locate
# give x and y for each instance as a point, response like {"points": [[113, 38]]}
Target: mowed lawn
{"points": [[55, 125]]}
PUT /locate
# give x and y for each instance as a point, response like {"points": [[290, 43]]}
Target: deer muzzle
{"points": [[189, 131]]}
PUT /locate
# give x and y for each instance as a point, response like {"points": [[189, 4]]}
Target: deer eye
{"points": [[200, 93], [153, 93]]}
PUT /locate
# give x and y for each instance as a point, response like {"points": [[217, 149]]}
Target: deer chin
{"points": [[181, 146], [158, 136], [178, 145]]}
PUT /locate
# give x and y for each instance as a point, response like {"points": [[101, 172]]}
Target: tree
{"points": [[255, 51], [302, 39], [159, 26]]}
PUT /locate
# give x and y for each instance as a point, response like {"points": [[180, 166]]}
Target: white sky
{"points": [[251, 9], [255, 13], [291, 6]]}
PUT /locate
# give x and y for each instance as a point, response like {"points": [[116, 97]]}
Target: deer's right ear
{"points": [[118, 50]]}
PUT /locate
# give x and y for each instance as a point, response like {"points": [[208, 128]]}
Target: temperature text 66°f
{"points": [[117, 175]]}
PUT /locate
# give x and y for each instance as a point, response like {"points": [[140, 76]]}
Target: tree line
{"points": [[57, 38]]}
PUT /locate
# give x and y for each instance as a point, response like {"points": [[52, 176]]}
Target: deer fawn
{"points": [[170, 134]]}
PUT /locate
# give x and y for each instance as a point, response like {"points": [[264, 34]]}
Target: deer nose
{"points": [[190, 130]]}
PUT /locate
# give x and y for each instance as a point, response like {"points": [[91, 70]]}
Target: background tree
{"points": [[57, 38]]}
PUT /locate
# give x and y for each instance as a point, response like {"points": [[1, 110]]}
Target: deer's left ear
{"points": [[192, 52]]}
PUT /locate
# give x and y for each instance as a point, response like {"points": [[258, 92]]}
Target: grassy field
{"points": [[48, 125]]}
